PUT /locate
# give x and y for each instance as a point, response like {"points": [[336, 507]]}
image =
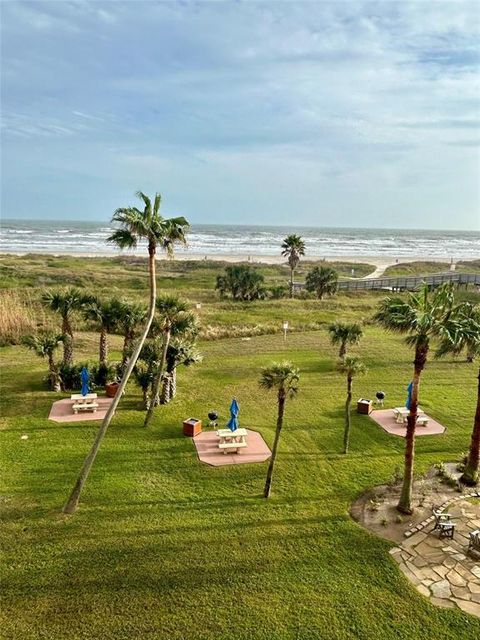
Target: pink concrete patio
{"points": [[62, 411], [386, 419], [206, 444]]}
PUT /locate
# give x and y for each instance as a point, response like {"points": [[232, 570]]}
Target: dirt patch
{"points": [[375, 509]]}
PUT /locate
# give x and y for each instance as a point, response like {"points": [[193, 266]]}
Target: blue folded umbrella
{"points": [[85, 380], [409, 397], [233, 422]]}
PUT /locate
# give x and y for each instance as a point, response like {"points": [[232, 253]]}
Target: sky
{"points": [[341, 113]]}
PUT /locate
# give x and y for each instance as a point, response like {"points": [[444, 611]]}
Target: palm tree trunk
{"points": [[166, 394], [346, 433], [158, 378], [405, 503], [72, 502], [470, 474], [53, 374], [127, 342], [291, 282], [103, 346], [281, 411], [67, 342], [173, 384], [343, 350]]}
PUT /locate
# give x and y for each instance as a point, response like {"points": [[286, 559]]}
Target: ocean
{"points": [[65, 237]]}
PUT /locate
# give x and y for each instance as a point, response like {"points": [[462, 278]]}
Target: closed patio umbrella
{"points": [[85, 380], [409, 397], [233, 422]]}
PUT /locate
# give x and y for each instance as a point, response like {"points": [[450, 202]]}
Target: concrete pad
{"points": [[386, 419], [206, 444], [62, 411]]}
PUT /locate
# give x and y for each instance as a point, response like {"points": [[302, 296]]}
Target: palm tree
{"points": [[171, 310], [159, 232], [179, 352], [44, 345], [105, 314], [65, 302], [322, 280], [343, 333], [282, 377], [351, 366], [242, 282], [420, 317], [464, 333], [292, 248], [143, 377], [129, 318]]}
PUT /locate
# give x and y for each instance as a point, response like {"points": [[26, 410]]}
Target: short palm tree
{"points": [[180, 352], [44, 345], [351, 366], [283, 378], [130, 317], [342, 333], [164, 233], [104, 313], [421, 317], [293, 247], [65, 302], [170, 310], [323, 281]]}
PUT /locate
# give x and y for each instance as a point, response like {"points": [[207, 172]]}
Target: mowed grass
{"points": [[165, 547]]}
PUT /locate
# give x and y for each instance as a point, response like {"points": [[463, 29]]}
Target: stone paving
{"points": [[440, 568]]}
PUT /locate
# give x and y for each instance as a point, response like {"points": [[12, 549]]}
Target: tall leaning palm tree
{"points": [[171, 310], [343, 333], [283, 378], [351, 366], [65, 302], [293, 248], [164, 233], [421, 317]]}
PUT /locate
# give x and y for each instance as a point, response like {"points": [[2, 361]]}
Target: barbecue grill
{"points": [[213, 417], [380, 397]]}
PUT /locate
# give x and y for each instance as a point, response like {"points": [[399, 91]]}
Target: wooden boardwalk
{"points": [[404, 283]]}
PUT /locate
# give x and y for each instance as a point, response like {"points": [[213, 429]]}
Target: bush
{"points": [[241, 282], [278, 292], [70, 375], [100, 374]]}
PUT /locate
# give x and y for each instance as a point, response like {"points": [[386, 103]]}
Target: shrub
{"points": [[103, 373], [277, 292], [70, 375], [322, 281], [241, 282]]}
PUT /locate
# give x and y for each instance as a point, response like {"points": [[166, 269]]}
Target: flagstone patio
{"points": [[62, 411], [440, 568], [206, 444], [386, 419]]}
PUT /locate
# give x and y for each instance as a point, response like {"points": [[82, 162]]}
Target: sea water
{"points": [[60, 237]]}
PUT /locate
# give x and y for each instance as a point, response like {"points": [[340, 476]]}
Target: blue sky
{"points": [[309, 113]]}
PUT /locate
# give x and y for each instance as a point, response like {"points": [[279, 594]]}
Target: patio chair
{"points": [[444, 524], [474, 541]]}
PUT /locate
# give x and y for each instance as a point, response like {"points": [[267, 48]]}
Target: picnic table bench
{"points": [[84, 403], [401, 414], [474, 541]]}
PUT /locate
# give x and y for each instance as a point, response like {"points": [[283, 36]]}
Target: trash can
{"points": [[192, 427], [364, 406]]}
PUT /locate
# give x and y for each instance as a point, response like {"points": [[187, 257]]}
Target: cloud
{"points": [[208, 89]]}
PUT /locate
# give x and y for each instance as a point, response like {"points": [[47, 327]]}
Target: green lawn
{"points": [[165, 547]]}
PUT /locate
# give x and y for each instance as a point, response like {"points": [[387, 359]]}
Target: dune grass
{"points": [[166, 547]]}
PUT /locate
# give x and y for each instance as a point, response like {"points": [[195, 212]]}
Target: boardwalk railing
{"points": [[404, 283]]}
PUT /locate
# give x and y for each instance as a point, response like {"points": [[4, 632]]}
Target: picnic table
{"points": [[232, 440], [401, 414], [84, 403]]}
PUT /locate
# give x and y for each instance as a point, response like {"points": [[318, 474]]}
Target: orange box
{"points": [[192, 427]]}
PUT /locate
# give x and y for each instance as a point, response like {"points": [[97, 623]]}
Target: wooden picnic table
{"points": [[401, 414], [84, 403], [232, 440]]}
